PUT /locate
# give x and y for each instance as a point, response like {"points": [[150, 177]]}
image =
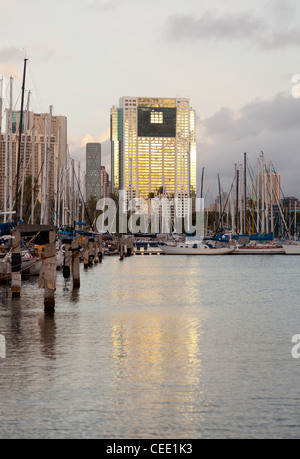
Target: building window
{"points": [[156, 117]]}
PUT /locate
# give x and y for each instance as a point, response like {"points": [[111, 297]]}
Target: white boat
{"points": [[292, 249], [30, 264], [60, 255], [198, 248]]}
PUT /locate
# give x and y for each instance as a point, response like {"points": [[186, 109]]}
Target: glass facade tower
{"points": [[153, 147], [93, 170]]}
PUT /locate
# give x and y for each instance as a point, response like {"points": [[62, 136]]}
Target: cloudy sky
{"points": [[234, 60]]}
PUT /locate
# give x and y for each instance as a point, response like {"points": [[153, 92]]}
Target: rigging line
{"points": [[224, 207], [36, 90], [285, 201], [82, 199], [36, 183]]}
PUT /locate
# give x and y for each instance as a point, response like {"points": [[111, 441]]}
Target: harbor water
{"points": [[155, 347]]}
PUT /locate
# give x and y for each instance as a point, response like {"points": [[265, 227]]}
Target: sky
{"points": [[238, 62]]}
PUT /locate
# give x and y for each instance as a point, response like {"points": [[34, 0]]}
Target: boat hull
{"points": [[170, 250], [291, 249], [259, 251]]}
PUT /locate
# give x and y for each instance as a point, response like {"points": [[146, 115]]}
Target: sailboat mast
{"points": [[263, 193], [6, 166], [32, 175], [237, 203], [202, 181], [24, 157], [245, 193], [20, 137], [257, 194], [10, 150], [220, 204], [1, 99]]}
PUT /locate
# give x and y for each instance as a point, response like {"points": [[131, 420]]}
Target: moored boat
{"points": [[198, 248], [259, 249]]}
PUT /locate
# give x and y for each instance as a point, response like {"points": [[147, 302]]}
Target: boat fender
{"points": [[66, 272]]}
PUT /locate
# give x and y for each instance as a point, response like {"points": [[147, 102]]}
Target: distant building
{"points": [[40, 133], [104, 183], [93, 170], [273, 188], [292, 201]]}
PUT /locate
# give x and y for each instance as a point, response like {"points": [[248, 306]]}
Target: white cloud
{"points": [[267, 34]]}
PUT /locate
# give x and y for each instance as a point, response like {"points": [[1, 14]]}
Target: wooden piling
{"points": [[68, 259], [86, 253], [121, 249], [96, 250], [16, 263], [48, 273], [91, 251], [125, 246], [100, 255], [75, 264]]}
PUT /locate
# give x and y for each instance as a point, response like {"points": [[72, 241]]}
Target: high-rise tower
{"points": [[153, 147], [93, 170]]}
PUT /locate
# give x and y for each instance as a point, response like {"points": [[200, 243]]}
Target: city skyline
{"points": [[235, 61]]}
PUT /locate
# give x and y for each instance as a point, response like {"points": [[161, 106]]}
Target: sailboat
{"points": [[190, 247]]}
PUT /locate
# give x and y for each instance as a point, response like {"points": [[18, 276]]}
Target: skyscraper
{"points": [[93, 170], [104, 182], [153, 147]]}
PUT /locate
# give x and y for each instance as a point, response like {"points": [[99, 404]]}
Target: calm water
{"points": [[156, 347]]}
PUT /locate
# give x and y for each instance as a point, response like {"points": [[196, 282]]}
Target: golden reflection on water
{"points": [[156, 333], [158, 362]]}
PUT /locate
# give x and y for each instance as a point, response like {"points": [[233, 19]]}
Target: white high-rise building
{"points": [[153, 147]]}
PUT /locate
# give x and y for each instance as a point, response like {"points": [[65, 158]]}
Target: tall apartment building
{"points": [[104, 182], [93, 170], [153, 147], [273, 187], [43, 136]]}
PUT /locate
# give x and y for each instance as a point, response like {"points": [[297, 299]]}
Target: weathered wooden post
{"points": [[96, 250], [129, 247], [16, 264], [67, 260], [75, 264], [100, 250], [48, 273], [91, 251], [125, 246], [86, 253], [121, 248]]}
